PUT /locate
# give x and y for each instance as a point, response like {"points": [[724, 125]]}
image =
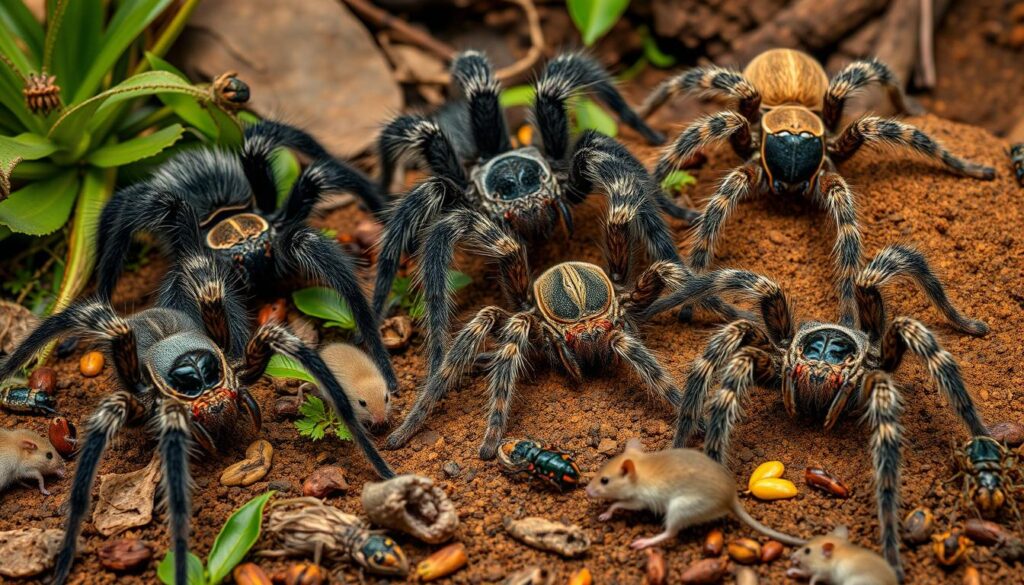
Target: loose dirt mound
{"points": [[971, 231]]}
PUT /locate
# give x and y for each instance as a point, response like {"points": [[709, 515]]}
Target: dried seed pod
{"points": [[258, 459], [44, 379], [705, 572], [714, 542], [766, 470], [396, 332], [771, 551], [657, 570], [273, 312], [746, 576], [530, 576], [63, 436], [412, 504], [91, 364], [1009, 432], [250, 574], [745, 551], [443, 562], [950, 547], [325, 481], [568, 541], [918, 526], [124, 554], [972, 576], [581, 577], [773, 488], [984, 532], [824, 481], [287, 407], [305, 574]]}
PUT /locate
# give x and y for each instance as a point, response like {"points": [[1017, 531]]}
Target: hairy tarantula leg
{"points": [[848, 249], [102, 425], [906, 333], [276, 338], [408, 216], [650, 284], [872, 130], [702, 134], [464, 350], [712, 81], [654, 376], [885, 407], [173, 422], [474, 74], [1017, 159], [902, 261], [485, 238], [736, 185], [566, 75], [311, 255], [262, 138], [509, 364], [423, 139], [854, 77], [747, 367], [722, 346]]}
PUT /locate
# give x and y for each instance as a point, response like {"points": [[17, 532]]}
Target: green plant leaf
{"points": [[594, 18], [652, 52], [97, 187], [324, 303], [115, 155], [185, 107], [590, 116], [27, 146], [196, 575], [16, 17], [230, 133], [458, 280], [237, 536], [41, 207], [517, 95], [282, 366], [285, 168], [9, 47], [675, 181], [74, 35], [132, 17]]}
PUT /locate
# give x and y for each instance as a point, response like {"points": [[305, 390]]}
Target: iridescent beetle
{"points": [[27, 400], [553, 467]]}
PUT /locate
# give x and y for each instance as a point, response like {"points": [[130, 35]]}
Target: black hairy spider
{"points": [[177, 375], [1017, 159], [480, 180], [787, 131], [825, 369], [578, 322], [234, 198]]}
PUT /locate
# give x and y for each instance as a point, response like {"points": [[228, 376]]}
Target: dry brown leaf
{"points": [[568, 541], [126, 499], [28, 551]]}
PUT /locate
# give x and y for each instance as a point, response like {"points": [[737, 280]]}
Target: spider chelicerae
{"points": [[786, 128], [824, 369]]}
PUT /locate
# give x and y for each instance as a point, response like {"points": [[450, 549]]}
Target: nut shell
{"points": [[918, 526], [44, 379], [824, 481], [125, 554], [63, 436], [704, 572], [745, 551], [771, 551], [714, 542]]}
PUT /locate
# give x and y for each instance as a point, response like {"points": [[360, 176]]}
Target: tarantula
{"points": [[525, 191], [234, 196], [1017, 159], [578, 322], [178, 375], [824, 369], [787, 131]]}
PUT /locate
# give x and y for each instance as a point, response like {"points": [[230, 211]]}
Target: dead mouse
{"points": [[832, 559], [26, 455], [687, 486], [362, 381]]}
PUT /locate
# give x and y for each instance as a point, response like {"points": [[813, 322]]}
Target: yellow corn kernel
{"points": [[581, 577], [773, 488], [525, 135], [766, 470], [442, 563]]}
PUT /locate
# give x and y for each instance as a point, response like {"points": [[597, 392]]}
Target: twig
{"points": [[382, 19], [927, 43]]}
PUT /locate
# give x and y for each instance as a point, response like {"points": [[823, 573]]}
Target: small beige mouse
{"points": [[832, 559], [362, 381], [685, 485], [26, 455]]}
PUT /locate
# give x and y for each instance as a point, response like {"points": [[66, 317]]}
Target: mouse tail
{"points": [[741, 513]]}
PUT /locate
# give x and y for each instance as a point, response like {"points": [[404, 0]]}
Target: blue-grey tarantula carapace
{"points": [[178, 374], [824, 369]]}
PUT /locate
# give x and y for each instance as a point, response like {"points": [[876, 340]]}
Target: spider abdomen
{"points": [[785, 76]]}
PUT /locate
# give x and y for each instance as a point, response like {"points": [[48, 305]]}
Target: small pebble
{"points": [[325, 481], [1009, 432], [91, 364], [451, 469]]}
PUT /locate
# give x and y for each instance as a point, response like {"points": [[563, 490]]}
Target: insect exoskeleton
{"points": [[553, 467]]}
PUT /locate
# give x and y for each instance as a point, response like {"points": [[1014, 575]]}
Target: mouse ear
{"points": [[29, 445], [635, 445], [841, 532], [628, 468], [827, 548]]}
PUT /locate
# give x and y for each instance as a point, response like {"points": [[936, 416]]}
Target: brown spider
{"points": [[42, 94], [786, 129]]}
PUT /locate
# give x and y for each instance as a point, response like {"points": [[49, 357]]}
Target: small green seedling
{"points": [[677, 181], [410, 299], [317, 419], [594, 18]]}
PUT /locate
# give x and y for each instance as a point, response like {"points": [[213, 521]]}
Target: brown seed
{"points": [[325, 481], [44, 379], [63, 436], [287, 407], [91, 364], [443, 562], [824, 481], [259, 455], [972, 576], [918, 526], [705, 572], [305, 574], [771, 551], [273, 312], [745, 551], [396, 332], [657, 572], [124, 554], [950, 547], [1009, 432], [746, 576], [250, 574], [714, 542], [984, 532]]}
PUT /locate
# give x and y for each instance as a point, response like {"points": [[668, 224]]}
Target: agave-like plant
{"points": [[86, 100]]}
